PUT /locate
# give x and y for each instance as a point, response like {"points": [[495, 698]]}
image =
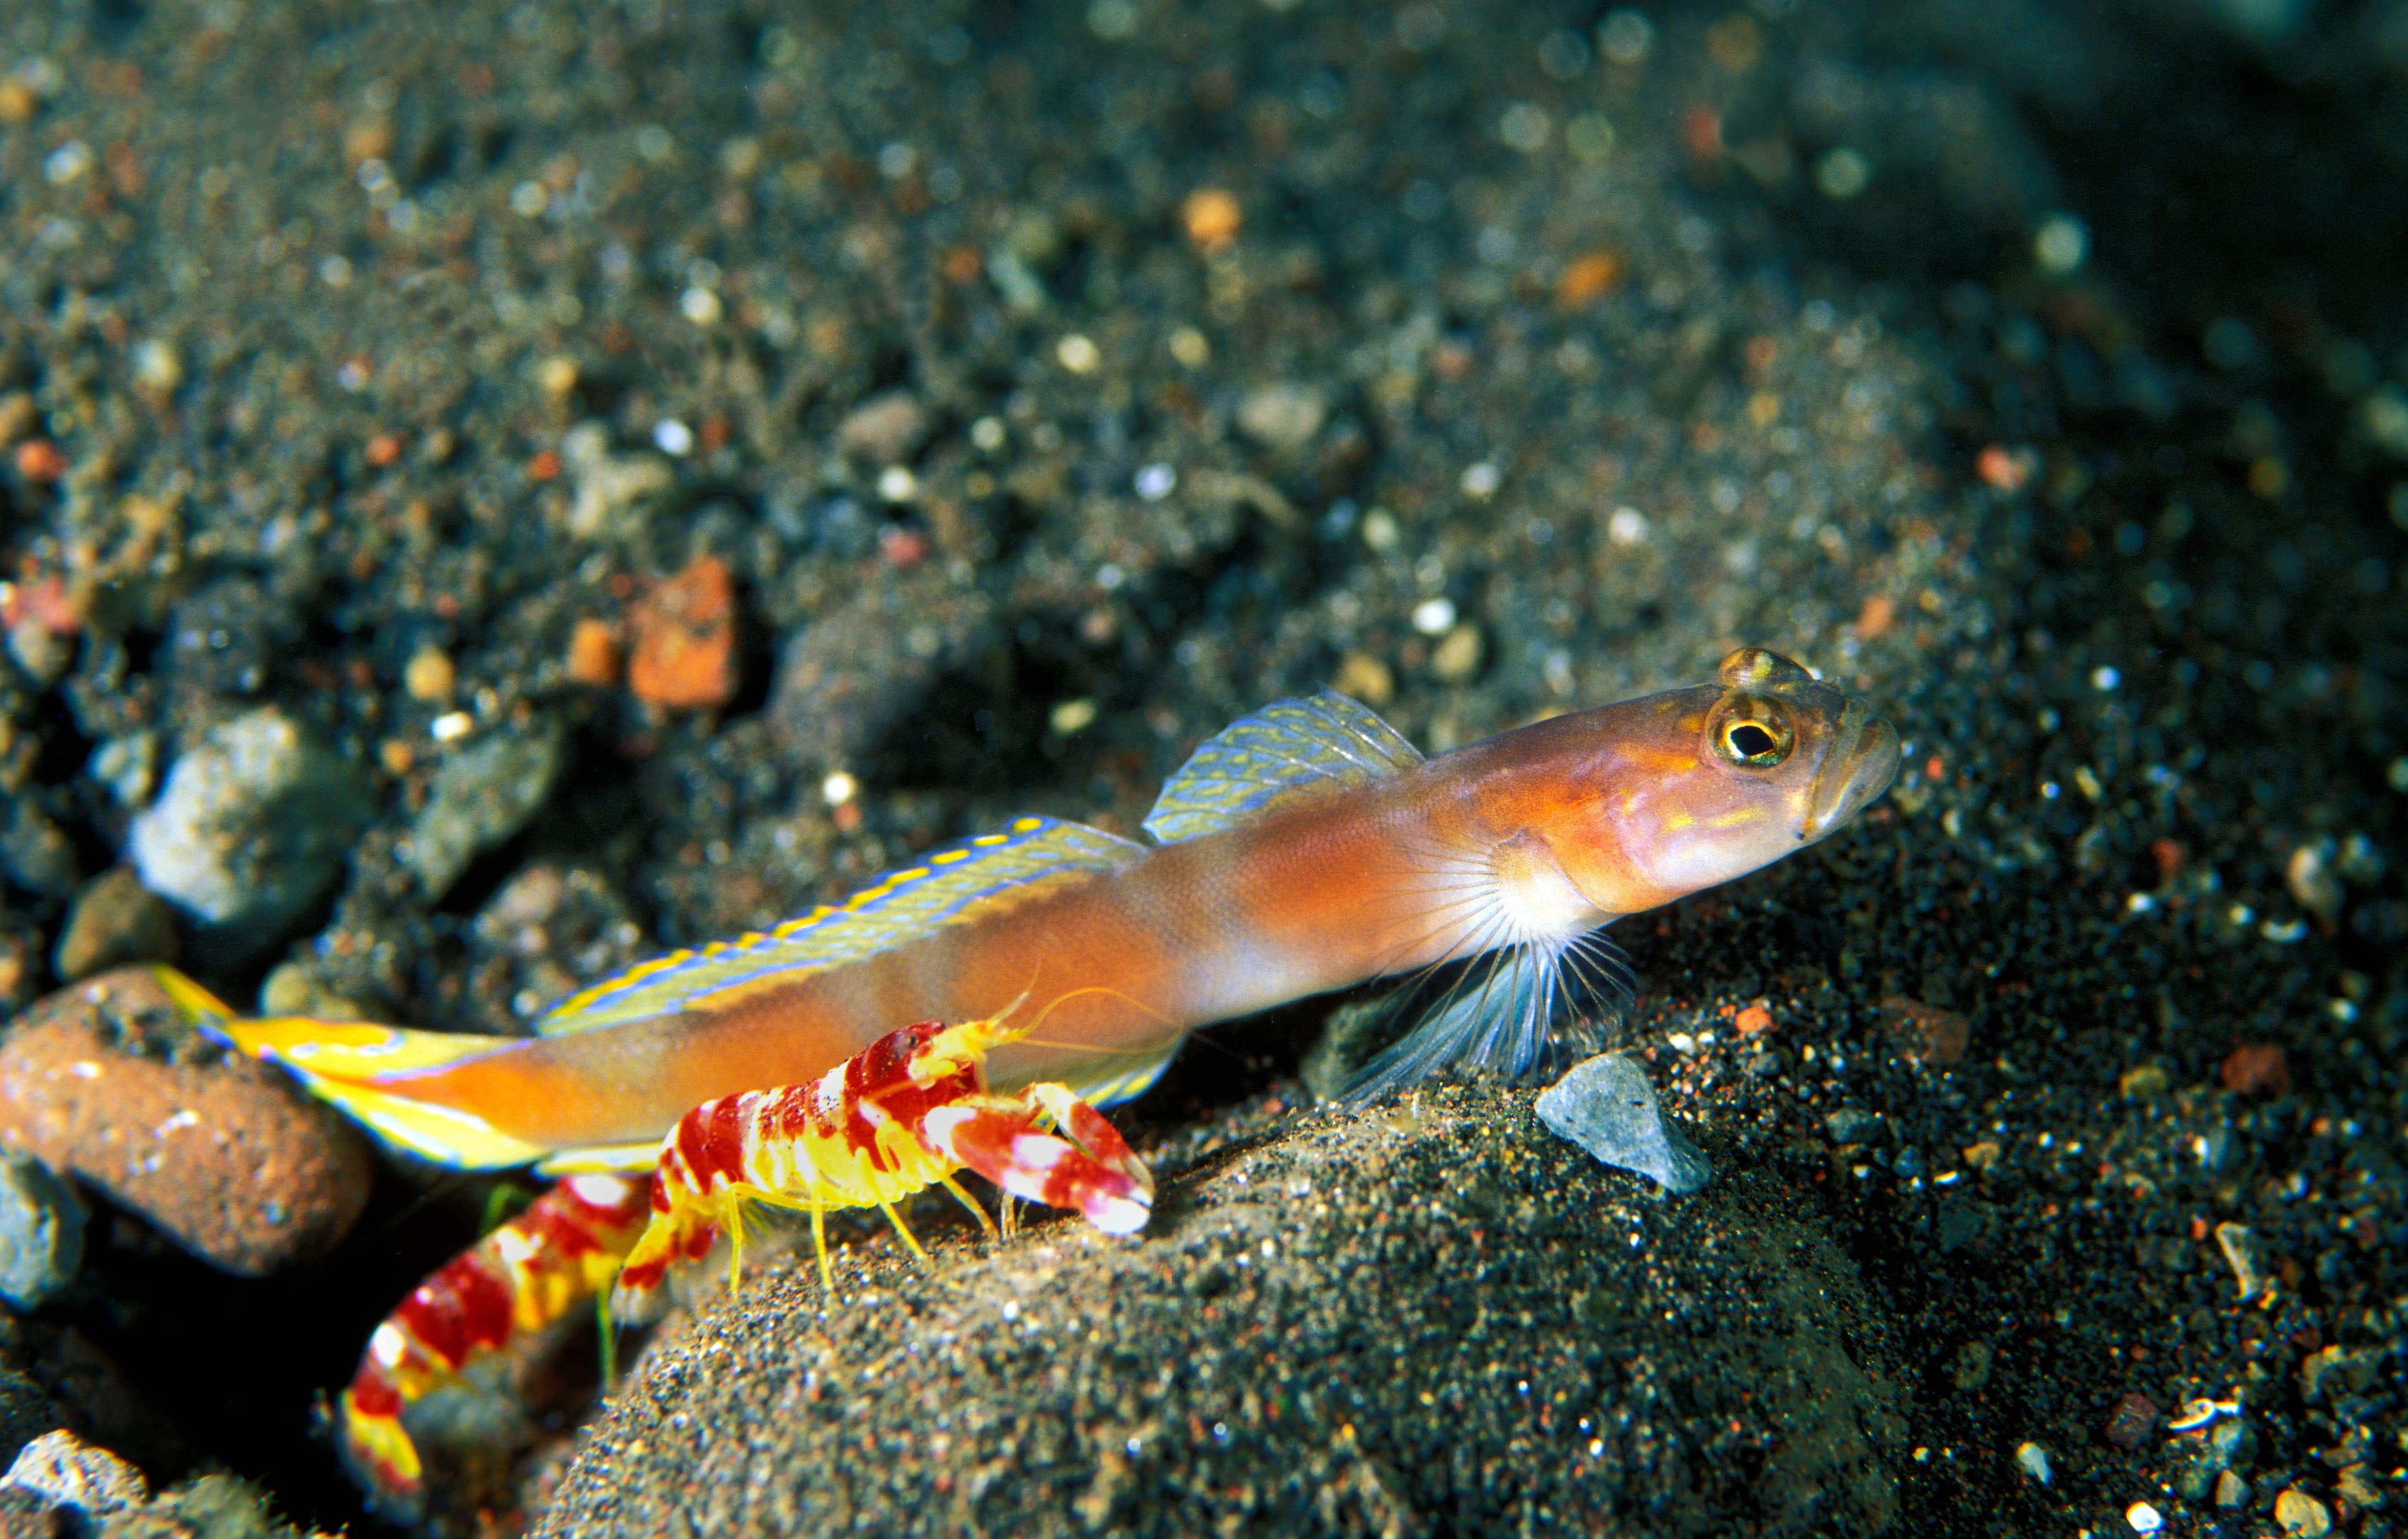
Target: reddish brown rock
{"points": [[1933, 1035], [684, 653], [2257, 1068], [107, 1079]]}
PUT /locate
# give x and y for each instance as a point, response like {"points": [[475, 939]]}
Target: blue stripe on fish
{"points": [[941, 887]]}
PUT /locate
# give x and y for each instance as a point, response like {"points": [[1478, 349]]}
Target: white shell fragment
{"points": [[1607, 1106]]}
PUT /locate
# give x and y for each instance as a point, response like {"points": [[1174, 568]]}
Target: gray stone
{"points": [[481, 796], [252, 825], [35, 851], [41, 1231], [66, 1471], [1607, 1106]]}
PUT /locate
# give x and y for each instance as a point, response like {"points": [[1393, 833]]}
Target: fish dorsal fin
{"points": [[941, 887], [1289, 745]]}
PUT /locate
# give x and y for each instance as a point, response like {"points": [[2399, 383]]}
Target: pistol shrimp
{"points": [[897, 1119]]}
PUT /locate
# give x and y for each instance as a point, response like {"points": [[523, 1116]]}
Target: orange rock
{"points": [[108, 1080], [684, 652], [1753, 1019], [1589, 278], [1212, 219], [2257, 1068], [592, 653], [1934, 1036], [1877, 616]]}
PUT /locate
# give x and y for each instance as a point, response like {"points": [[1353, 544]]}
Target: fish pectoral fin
{"points": [[1513, 1011], [1288, 748]]}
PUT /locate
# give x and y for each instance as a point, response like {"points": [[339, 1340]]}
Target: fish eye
{"points": [[1754, 743]]}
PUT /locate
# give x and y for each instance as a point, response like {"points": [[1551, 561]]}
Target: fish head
{"points": [[1698, 786]]}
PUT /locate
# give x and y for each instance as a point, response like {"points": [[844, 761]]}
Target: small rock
{"points": [[1934, 1036], [110, 1081], [41, 1231], [592, 653], [1366, 677], [35, 851], [611, 488], [2144, 1518], [2302, 1516], [2231, 1490], [115, 920], [226, 636], [1457, 657], [128, 766], [2334, 1370], [684, 629], [2355, 1486], [67, 1473], [853, 675], [886, 429], [252, 825], [2243, 1254], [1852, 1125], [2132, 1421], [2309, 874], [481, 796], [2033, 1460], [2256, 1068], [430, 674], [1971, 1369], [1607, 1106], [1283, 417], [295, 989]]}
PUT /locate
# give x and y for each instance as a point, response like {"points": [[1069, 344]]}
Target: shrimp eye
{"points": [[1756, 745]]}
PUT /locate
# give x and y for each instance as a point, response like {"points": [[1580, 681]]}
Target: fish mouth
{"points": [[1858, 766]]}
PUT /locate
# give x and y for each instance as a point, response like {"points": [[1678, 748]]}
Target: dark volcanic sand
{"points": [[2040, 372]]}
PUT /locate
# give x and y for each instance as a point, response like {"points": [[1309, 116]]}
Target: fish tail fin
{"points": [[365, 1071]]}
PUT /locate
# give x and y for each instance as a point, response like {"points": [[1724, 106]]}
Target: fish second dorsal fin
{"points": [[1289, 745], [942, 887]]}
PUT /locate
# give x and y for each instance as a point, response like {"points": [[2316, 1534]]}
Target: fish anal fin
{"points": [[941, 887], [1288, 748]]}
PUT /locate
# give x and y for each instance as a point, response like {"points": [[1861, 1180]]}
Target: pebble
{"points": [[2302, 1516], [1457, 657], [1366, 677], [610, 488], [430, 674], [1283, 417], [592, 653], [2033, 1460], [1934, 1036], [2243, 1254], [41, 1231], [1852, 1125], [35, 851], [115, 920], [2231, 1490], [251, 827], [2256, 1068], [66, 1472], [2132, 1421], [108, 1081], [2143, 1518], [886, 429], [683, 656], [1607, 1106], [481, 796]]}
